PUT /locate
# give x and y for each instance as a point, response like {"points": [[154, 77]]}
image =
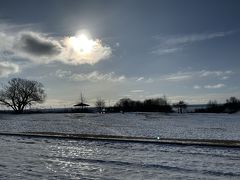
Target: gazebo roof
{"points": [[81, 104]]}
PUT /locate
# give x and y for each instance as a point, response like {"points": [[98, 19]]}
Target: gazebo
{"points": [[81, 105]]}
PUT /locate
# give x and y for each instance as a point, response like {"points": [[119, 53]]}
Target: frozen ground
{"points": [[200, 126], [35, 158], [39, 158]]}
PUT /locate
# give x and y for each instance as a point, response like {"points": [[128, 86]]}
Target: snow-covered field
{"points": [[40, 158], [201, 126]]}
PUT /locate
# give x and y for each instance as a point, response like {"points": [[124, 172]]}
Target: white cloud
{"points": [[205, 73], [201, 75], [42, 48], [161, 51], [180, 76], [187, 75], [91, 76], [96, 76], [73, 55], [6, 41], [62, 73], [137, 91], [209, 73], [196, 37], [140, 79], [216, 86], [177, 77], [225, 77], [176, 43], [7, 68], [196, 87]]}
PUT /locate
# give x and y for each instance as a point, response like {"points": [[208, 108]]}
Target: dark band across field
{"points": [[130, 139]]}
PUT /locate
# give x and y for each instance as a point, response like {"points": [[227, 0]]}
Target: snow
{"points": [[199, 126], [41, 158]]}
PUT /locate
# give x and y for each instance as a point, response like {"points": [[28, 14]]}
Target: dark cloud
{"points": [[39, 46]]}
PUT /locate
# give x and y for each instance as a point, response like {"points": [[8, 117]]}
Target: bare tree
{"points": [[181, 105], [83, 101], [212, 104], [232, 104], [20, 93], [100, 104], [82, 98]]}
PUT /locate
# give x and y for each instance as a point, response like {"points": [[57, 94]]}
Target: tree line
{"points": [[231, 105], [148, 105], [19, 94]]}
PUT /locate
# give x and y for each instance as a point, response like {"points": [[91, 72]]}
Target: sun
{"points": [[82, 44]]}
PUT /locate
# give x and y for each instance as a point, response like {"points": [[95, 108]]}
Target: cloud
{"points": [[196, 87], [96, 76], [36, 44], [205, 73], [225, 77], [177, 43], [217, 86], [91, 76], [142, 79], [162, 51], [139, 78], [42, 48], [72, 55], [6, 41], [137, 91], [187, 75], [196, 37], [62, 73], [7, 68], [177, 77]]}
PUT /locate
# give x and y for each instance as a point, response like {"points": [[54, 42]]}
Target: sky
{"points": [[186, 50]]}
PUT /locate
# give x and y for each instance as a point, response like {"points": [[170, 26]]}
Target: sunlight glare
{"points": [[82, 44]]}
